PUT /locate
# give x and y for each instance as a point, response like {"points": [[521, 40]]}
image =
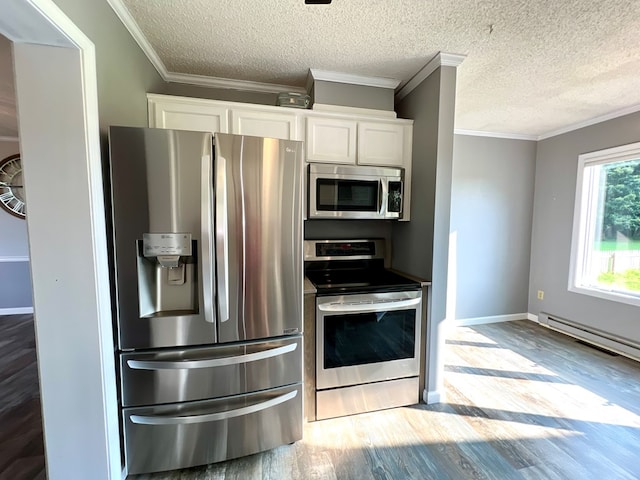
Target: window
{"points": [[605, 251]]}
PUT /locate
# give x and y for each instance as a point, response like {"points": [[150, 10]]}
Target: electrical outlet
{"points": [[540, 294]]}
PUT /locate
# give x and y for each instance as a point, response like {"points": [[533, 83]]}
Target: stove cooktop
{"points": [[332, 282]]}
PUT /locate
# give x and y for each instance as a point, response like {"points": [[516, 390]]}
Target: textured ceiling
{"points": [[532, 66]]}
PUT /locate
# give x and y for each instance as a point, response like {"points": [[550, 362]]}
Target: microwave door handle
{"points": [[222, 235], [383, 195], [206, 247]]}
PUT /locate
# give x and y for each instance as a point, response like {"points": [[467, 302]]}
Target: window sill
{"points": [[611, 295]]}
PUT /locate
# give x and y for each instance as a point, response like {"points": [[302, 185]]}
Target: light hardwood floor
{"points": [[523, 402]]}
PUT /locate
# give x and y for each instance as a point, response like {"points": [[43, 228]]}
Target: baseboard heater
{"points": [[591, 335]]}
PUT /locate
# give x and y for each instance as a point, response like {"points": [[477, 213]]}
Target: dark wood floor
{"points": [[523, 402], [21, 445]]}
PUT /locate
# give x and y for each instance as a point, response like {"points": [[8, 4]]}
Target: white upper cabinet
{"points": [[356, 138], [331, 140], [380, 143], [182, 113], [260, 123]]}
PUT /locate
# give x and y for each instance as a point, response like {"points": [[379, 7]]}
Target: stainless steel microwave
{"points": [[355, 192]]}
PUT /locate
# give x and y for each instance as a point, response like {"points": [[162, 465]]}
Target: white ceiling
{"points": [[531, 67]]}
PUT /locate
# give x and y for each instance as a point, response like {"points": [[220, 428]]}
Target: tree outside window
{"points": [[606, 239]]}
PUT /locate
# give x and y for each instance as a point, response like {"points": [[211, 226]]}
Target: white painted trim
{"points": [[532, 317], [350, 78], [7, 259], [202, 80], [58, 19], [230, 83], [432, 397], [439, 60], [464, 322], [592, 121], [9, 139], [479, 133], [325, 107], [16, 311], [130, 24]]}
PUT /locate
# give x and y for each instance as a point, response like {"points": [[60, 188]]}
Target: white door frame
{"points": [[56, 86]]}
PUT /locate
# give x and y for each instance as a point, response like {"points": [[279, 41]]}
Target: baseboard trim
{"points": [[532, 317], [432, 397], [465, 322], [16, 311]]}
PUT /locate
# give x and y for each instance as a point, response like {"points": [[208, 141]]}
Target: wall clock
{"points": [[12, 187]]}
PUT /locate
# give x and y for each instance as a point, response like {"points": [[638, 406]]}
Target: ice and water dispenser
{"points": [[167, 274]]}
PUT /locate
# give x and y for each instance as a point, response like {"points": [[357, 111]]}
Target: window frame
{"points": [[585, 208]]}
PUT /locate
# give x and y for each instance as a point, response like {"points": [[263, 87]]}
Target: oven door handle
{"points": [[369, 306]]}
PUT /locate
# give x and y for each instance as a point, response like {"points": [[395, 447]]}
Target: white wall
{"points": [[491, 215]]}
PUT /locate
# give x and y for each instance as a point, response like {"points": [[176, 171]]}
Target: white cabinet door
{"points": [[185, 115], [331, 140], [380, 144], [265, 124]]}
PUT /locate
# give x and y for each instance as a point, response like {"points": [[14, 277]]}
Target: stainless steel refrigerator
{"points": [[207, 287]]}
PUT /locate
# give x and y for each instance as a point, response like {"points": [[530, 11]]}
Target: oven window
{"points": [[347, 195], [358, 339]]}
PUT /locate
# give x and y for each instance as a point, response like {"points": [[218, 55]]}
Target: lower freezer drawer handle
{"points": [[210, 362], [212, 417]]}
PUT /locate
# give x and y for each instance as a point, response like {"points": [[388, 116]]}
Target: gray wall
{"points": [[13, 239], [15, 277], [555, 187], [348, 95], [124, 73], [346, 229], [224, 94], [421, 247], [413, 241], [491, 215]]}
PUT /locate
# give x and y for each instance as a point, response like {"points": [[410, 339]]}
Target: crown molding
{"points": [[216, 82], [9, 139], [229, 83], [130, 24], [480, 133], [440, 60], [350, 78], [592, 121]]}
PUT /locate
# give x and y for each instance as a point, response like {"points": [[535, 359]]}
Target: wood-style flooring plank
{"points": [[21, 442], [522, 402]]}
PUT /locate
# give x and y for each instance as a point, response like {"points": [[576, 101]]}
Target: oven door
{"points": [[367, 338]]}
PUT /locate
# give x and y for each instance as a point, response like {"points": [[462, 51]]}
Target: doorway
{"points": [[58, 120]]}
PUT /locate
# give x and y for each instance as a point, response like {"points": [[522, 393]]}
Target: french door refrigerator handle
{"points": [[210, 362], [212, 417], [222, 243], [206, 225]]}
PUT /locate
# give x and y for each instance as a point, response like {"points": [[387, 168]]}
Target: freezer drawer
{"points": [[181, 375], [168, 437]]}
